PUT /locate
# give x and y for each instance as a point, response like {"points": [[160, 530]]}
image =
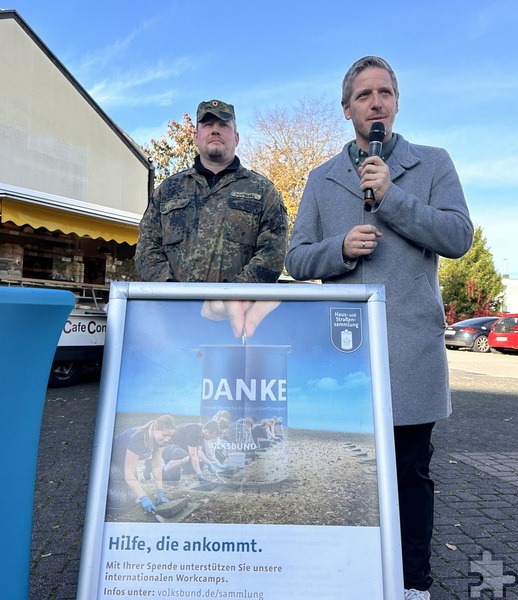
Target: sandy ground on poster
{"points": [[267, 562]]}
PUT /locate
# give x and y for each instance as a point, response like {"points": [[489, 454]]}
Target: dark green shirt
{"points": [[358, 155]]}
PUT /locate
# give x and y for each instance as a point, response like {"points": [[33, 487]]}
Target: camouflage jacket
{"points": [[234, 232]]}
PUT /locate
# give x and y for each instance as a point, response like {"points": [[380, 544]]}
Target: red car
{"points": [[503, 336]]}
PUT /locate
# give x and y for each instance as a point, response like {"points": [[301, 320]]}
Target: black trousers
{"points": [[416, 501]]}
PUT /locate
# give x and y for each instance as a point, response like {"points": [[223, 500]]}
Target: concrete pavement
{"points": [[475, 468], [475, 546]]}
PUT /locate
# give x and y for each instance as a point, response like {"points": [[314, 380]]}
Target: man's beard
{"points": [[216, 154]]}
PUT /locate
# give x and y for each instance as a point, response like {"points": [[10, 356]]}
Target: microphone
{"points": [[376, 136]]}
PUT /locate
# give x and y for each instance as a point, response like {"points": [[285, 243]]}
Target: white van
{"points": [[80, 347]]}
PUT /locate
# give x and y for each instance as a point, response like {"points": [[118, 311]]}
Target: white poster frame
{"points": [[372, 298]]}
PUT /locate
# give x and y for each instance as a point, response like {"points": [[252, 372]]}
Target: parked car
{"points": [[470, 333], [504, 334]]}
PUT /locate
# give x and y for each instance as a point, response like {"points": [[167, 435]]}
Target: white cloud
{"points": [[110, 96], [143, 135], [330, 384], [327, 384], [93, 62], [498, 171], [121, 75], [135, 88]]}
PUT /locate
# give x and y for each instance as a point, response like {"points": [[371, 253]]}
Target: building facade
{"points": [[510, 294], [73, 185]]}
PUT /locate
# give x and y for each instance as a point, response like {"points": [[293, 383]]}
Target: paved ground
{"points": [[475, 468], [476, 473]]}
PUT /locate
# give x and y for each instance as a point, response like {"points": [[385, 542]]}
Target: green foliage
{"points": [[174, 151], [471, 285]]}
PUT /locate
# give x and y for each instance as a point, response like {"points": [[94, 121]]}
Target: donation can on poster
{"points": [[248, 384]]}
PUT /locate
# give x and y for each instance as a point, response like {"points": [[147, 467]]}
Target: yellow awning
{"points": [[25, 213]]}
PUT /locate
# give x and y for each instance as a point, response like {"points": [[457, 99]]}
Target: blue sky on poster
{"points": [[456, 63], [163, 363]]}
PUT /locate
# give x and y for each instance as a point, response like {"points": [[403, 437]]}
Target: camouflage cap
{"points": [[219, 109]]}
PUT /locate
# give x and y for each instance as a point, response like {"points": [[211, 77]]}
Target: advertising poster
{"points": [[261, 449]]}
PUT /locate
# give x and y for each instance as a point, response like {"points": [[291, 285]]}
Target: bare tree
{"points": [[287, 143]]}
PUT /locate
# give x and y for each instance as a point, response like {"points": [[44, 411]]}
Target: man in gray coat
{"points": [[417, 214]]}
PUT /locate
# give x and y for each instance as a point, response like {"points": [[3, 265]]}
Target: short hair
{"points": [[162, 423], [359, 66], [223, 425], [211, 427]]}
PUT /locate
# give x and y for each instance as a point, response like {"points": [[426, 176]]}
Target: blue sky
{"points": [[456, 62]]}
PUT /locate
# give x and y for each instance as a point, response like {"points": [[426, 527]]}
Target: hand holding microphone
{"points": [[376, 137]]}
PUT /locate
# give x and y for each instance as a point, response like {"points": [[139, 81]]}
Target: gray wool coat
{"points": [[423, 216]]}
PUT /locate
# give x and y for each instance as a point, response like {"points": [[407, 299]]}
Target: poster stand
{"points": [[327, 390]]}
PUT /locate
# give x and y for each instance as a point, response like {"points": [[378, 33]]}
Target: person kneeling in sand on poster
{"points": [[213, 448], [260, 434], [278, 429], [190, 437], [130, 447]]}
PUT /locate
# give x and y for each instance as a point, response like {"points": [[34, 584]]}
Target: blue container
{"points": [[250, 383], [246, 381], [31, 321]]}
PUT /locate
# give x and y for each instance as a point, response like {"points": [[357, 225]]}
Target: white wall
{"points": [[510, 295], [52, 139]]}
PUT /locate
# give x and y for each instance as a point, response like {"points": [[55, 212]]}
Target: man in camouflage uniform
{"points": [[217, 221]]}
